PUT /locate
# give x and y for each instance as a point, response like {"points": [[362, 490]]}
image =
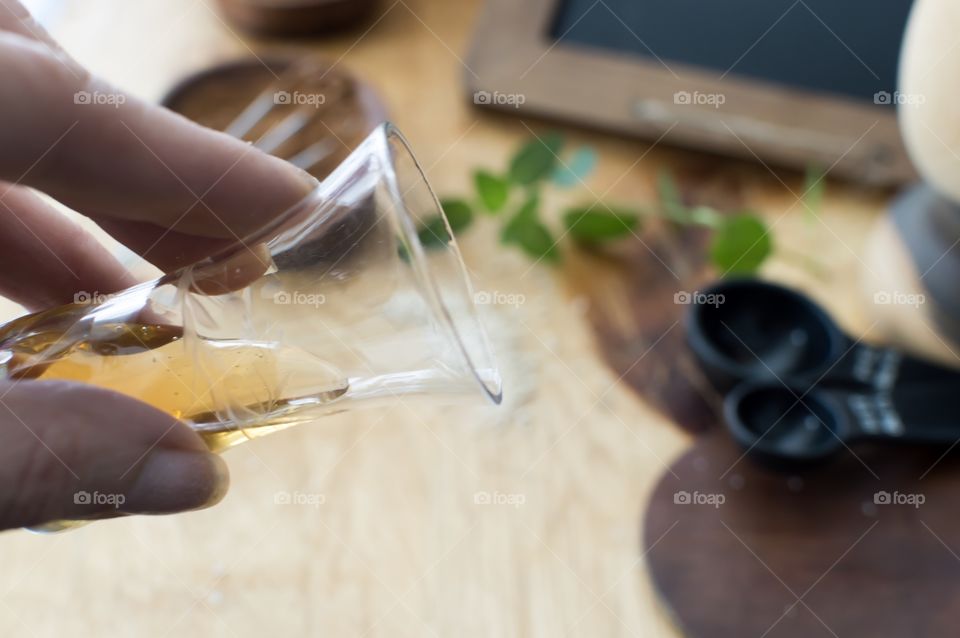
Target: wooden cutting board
{"points": [[866, 546], [348, 109]]}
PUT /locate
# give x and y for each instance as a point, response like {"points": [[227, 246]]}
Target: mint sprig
{"points": [[527, 231], [741, 243], [591, 226], [493, 191], [433, 231], [814, 187], [536, 159]]}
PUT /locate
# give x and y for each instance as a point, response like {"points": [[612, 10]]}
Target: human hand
{"points": [[172, 191]]}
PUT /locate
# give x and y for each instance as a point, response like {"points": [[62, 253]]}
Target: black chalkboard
{"points": [[842, 47]]}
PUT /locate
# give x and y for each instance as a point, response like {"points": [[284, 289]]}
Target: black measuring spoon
{"points": [[783, 426], [749, 329]]}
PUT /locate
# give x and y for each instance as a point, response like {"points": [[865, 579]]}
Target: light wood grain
{"points": [[399, 547]]}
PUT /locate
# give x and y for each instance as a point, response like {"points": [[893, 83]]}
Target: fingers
{"points": [[48, 257], [51, 258], [112, 156], [72, 451], [233, 272], [171, 190], [166, 249], [155, 180], [14, 17]]}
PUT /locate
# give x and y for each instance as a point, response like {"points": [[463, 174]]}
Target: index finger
{"points": [[138, 168]]}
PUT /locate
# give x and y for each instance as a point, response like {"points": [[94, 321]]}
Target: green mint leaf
{"points": [[530, 208], [740, 245], [577, 168], [594, 224], [814, 187], [535, 240], [528, 213], [536, 159], [433, 232], [527, 231], [493, 190], [670, 200], [458, 213]]}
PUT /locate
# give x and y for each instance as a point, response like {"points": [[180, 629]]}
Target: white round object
{"points": [[929, 95]]}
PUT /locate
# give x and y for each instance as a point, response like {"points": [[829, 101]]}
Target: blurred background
{"points": [[603, 164]]}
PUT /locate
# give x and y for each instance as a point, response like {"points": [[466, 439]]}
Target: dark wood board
{"points": [[215, 96], [858, 568], [296, 17]]}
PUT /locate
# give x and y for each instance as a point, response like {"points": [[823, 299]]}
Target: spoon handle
{"points": [[884, 369], [919, 414]]}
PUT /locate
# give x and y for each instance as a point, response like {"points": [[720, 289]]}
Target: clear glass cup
{"points": [[333, 305]]}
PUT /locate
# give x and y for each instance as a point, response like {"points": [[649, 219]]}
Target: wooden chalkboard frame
{"points": [[512, 54]]}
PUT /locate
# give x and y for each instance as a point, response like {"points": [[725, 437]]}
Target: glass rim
{"points": [[492, 388]]}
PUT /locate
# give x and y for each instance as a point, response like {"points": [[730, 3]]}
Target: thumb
{"points": [[71, 451]]}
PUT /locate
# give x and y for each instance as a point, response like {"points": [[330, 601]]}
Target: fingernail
{"points": [[175, 481]]}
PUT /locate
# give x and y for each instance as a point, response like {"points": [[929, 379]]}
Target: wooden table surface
{"points": [[390, 540]]}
